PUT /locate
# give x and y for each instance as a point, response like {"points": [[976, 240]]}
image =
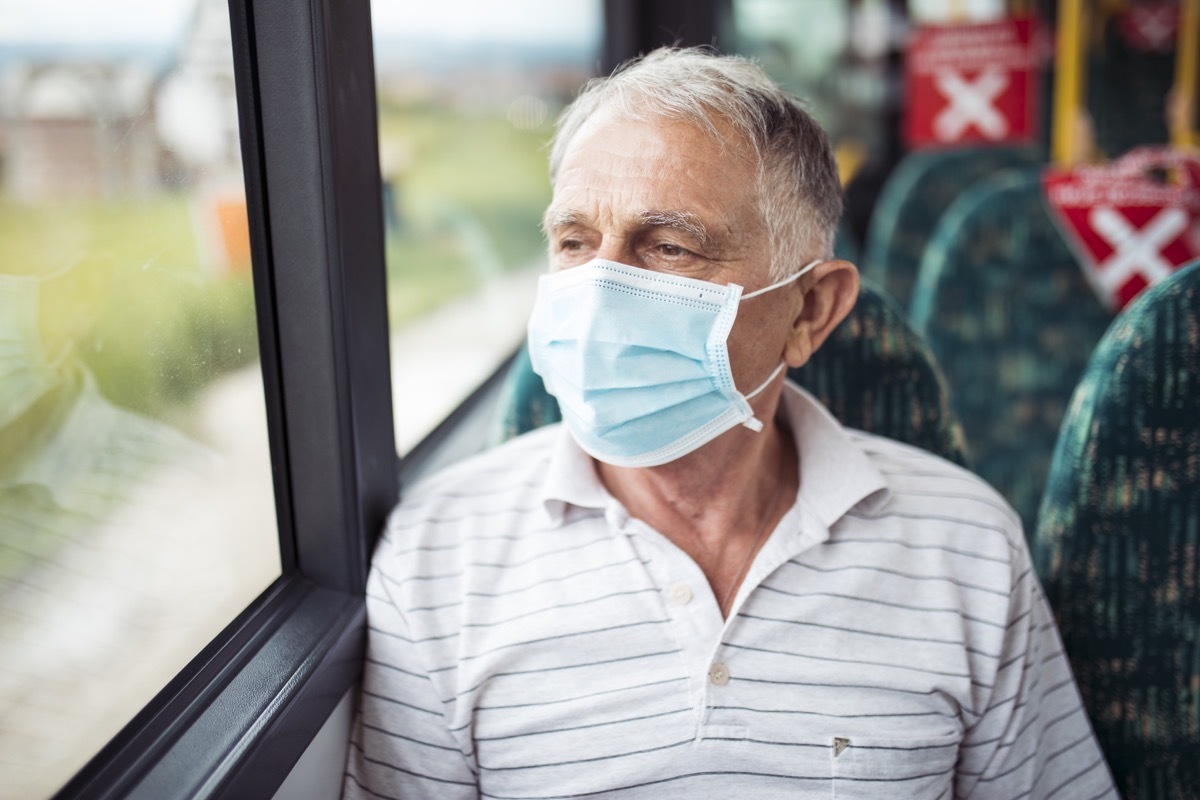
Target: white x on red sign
{"points": [[1135, 251], [970, 103], [1157, 25], [1131, 222], [1150, 27]]}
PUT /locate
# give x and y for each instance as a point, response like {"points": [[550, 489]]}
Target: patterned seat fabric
{"points": [[1118, 541], [873, 373], [1011, 319], [844, 245], [922, 187]]}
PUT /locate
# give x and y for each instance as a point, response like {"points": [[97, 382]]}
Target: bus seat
{"points": [[1118, 540], [1011, 319], [845, 246], [874, 373], [524, 403], [922, 187]]}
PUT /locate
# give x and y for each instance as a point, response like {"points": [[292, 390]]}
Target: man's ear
{"points": [[831, 294]]}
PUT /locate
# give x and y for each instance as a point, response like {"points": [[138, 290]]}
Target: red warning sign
{"points": [[1132, 222], [1150, 27], [972, 84]]}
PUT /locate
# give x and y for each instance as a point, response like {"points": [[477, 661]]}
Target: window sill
{"points": [[237, 719]]}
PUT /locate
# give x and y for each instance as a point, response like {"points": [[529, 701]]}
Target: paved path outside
{"points": [[440, 359], [87, 639]]}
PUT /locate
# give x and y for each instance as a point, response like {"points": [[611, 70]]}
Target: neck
{"points": [[719, 503]]}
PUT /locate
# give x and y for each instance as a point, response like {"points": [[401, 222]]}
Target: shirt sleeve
{"points": [[1033, 740], [400, 742]]}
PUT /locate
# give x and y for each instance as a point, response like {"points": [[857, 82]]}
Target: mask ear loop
{"points": [[754, 423], [802, 271]]}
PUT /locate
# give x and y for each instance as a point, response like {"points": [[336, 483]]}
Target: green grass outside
{"points": [[470, 193], [124, 291], [130, 297]]}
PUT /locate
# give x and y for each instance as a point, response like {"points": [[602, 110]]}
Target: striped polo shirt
{"points": [[529, 639]]}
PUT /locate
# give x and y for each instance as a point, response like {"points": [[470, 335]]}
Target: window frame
{"points": [[632, 27], [237, 718]]}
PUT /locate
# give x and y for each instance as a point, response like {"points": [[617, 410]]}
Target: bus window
{"points": [[137, 515], [800, 45], [844, 59], [468, 94], [948, 11]]}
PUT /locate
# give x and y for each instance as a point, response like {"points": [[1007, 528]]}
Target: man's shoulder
{"points": [[923, 485], [913, 484]]}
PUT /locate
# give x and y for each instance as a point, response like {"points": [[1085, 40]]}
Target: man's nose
{"points": [[617, 249]]}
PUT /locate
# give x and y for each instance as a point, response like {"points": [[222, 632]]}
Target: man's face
{"points": [[668, 196]]}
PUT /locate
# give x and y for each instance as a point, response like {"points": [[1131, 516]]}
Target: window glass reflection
{"points": [[468, 94], [845, 59], [136, 506]]}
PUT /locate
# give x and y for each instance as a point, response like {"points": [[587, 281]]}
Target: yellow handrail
{"points": [[1187, 73], [1068, 83]]}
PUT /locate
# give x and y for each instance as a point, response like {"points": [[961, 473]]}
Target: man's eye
{"points": [[671, 250], [569, 245]]}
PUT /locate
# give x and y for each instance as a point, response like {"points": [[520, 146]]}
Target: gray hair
{"points": [[800, 197]]}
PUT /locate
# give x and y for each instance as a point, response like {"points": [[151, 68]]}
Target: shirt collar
{"points": [[571, 479], [835, 474]]}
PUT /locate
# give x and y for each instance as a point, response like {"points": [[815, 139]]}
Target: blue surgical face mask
{"points": [[638, 359]]}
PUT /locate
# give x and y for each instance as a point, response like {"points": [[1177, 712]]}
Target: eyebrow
{"points": [[558, 218], [683, 221]]}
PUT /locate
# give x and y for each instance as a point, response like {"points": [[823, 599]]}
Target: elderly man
{"points": [[701, 584]]}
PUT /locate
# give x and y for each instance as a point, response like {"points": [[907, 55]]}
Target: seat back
{"points": [[874, 373], [1118, 540], [1011, 319], [844, 245], [914, 198]]}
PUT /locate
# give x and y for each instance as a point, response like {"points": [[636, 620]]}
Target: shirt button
{"points": [[681, 594], [718, 674]]}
